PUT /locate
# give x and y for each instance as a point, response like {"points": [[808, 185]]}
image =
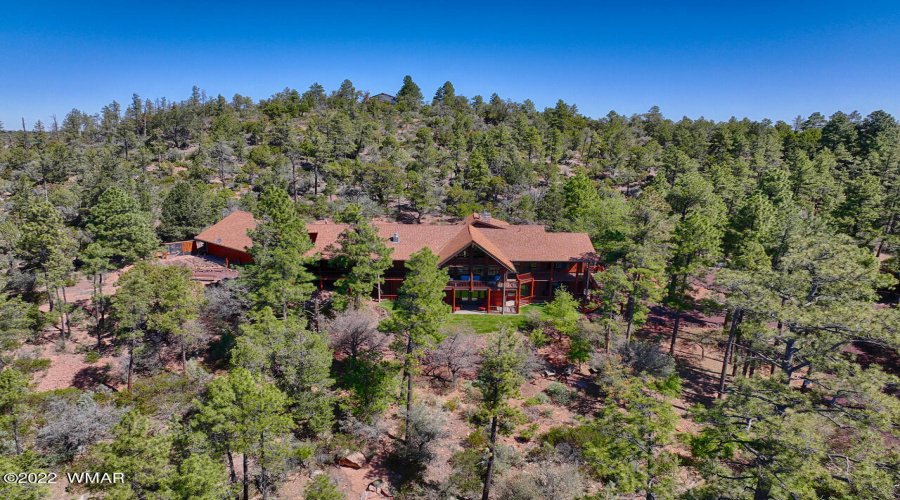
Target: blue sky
{"points": [[715, 59]]}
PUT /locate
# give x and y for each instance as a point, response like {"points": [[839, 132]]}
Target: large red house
{"points": [[494, 266]]}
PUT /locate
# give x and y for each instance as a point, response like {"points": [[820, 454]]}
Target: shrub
{"points": [[542, 480], [92, 357], [648, 358], [538, 399], [528, 433], [452, 404], [533, 320], [538, 337], [321, 487], [559, 393], [72, 426], [425, 425], [468, 466], [30, 365]]}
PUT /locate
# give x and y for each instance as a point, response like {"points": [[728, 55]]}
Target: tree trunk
{"points": [[735, 322], [788, 360], [15, 426], [130, 364], [407, 372], [490, 466], [65, 309], [183, 358], [263, 475], [763, 487], [246, 479], [232, 474], [629, 311], [675, 332]]}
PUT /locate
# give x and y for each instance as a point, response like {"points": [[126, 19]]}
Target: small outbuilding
{"points": [[228, 238]]}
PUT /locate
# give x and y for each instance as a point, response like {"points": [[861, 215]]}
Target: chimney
{"points": [[395, 238], [485, 216]]}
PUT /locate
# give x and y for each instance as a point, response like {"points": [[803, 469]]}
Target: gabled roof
{"points": [[505, 242], [230, 232], [479, 220], [471, 235]]}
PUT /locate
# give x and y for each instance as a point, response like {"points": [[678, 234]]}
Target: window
{"points": [[561, 265]]}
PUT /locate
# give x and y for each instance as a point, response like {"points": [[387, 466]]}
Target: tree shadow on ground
{"points": [[90, 377]]}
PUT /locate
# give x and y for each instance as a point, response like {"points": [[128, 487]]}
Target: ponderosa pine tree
{"points": [[154, 303], [46, 247], [118, 223], [499, 377], [278, 277], [418, 311], [695, 246], [409, 95], [13, 393], [296, 360], [257, 413], [186, 211], [140, 452], [366, 257], [631, 450]]}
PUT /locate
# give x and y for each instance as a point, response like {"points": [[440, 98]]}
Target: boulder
{"points": [[353, 460]]}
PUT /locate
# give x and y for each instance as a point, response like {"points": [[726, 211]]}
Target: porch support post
{"points": [[503, 302], [454, 299], [487, 309], [552, 268], [518, 296]]}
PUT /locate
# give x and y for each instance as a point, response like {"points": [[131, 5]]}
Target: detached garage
{"points": [[228, 238]]}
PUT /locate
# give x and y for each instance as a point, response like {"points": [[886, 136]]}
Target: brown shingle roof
{"points": [[468, 235], [505, 242], [230, 232]]}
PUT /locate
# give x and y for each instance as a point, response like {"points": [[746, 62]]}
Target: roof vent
{"points": [[485, 216], [395, 238]]}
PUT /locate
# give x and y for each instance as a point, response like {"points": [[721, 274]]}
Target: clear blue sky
{"points": [[774, 59]]}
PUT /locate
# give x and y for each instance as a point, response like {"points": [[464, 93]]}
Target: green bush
{"points": [[322, 488], [30, 365], [528, 433], [91, 357], [559, 393], [538, 399], [452, 404], [538, 337]]}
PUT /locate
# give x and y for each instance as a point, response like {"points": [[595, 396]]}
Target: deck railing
{"points": [[481, 285]]}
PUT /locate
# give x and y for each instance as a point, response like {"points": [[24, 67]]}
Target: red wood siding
{"points": [[233, 256]]}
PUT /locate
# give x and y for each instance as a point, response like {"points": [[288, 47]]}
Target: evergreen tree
{"points": [[500, 375], [139, 452], [695, 246], [154, 303], [320, 487], [366, 256], [297, 360], [409, 95], [418, 310], [46, 248], [278, 277], [257, 414], [186, 211], [120, 225], [630, 449]]}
